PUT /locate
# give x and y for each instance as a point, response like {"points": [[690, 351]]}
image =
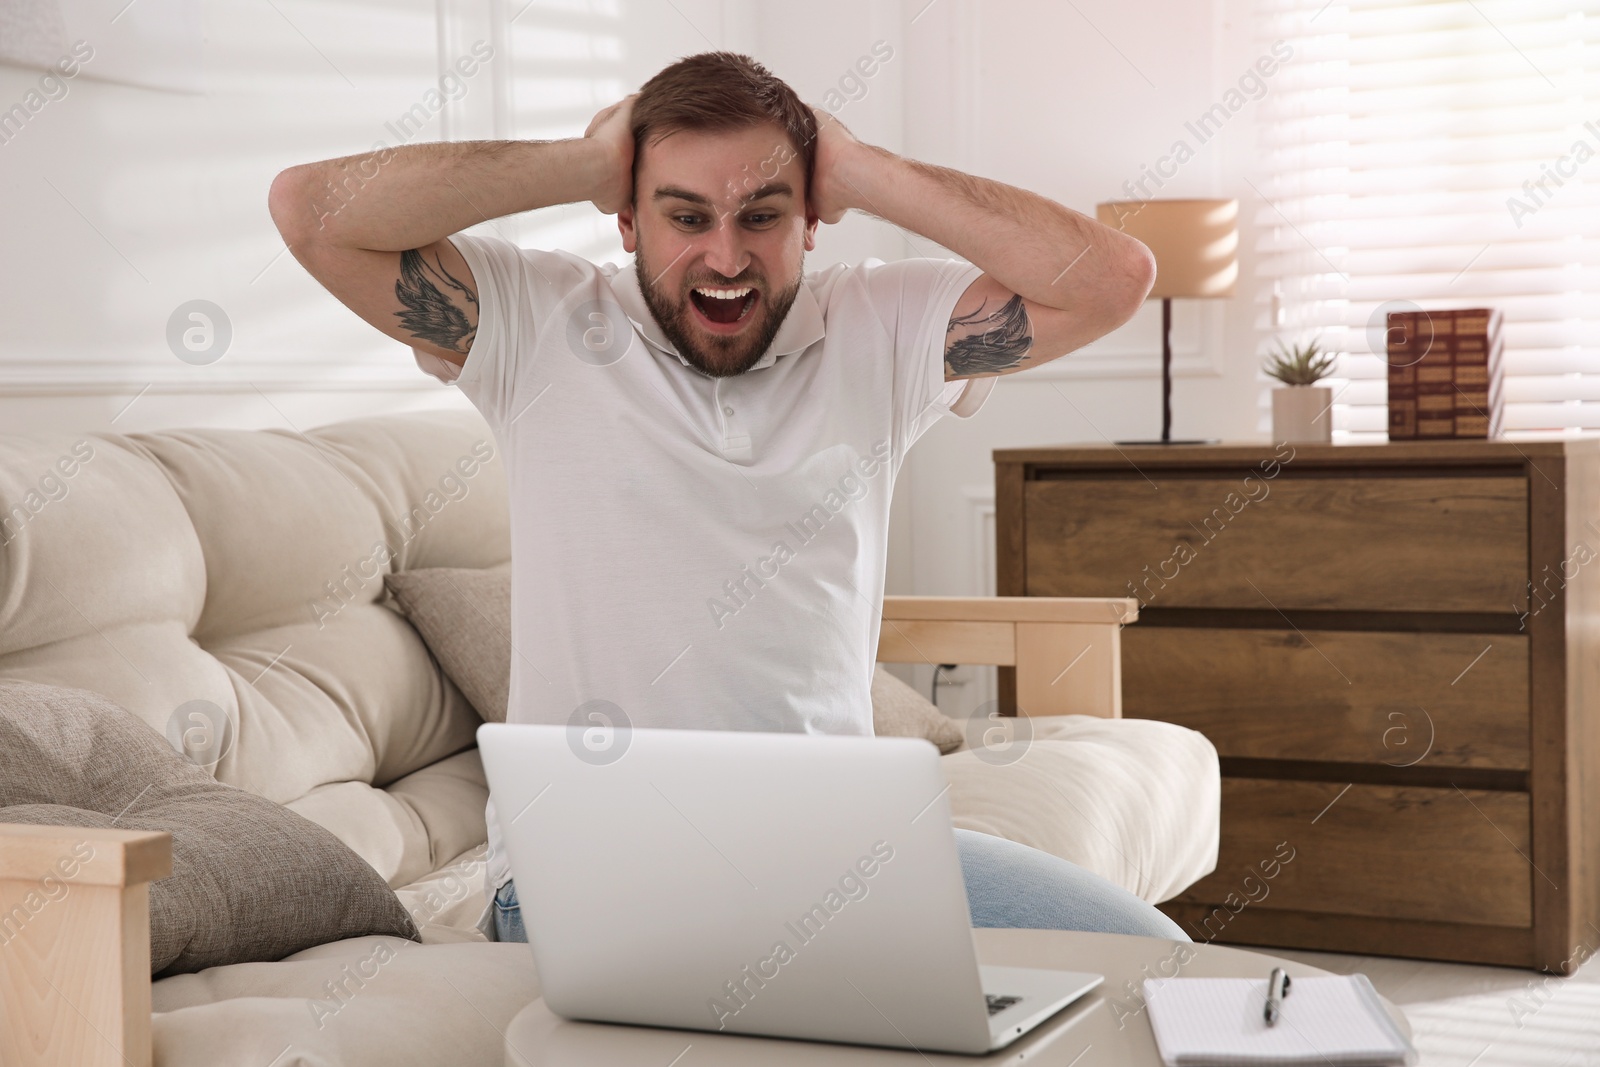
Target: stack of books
{"points": [[1445, 374]]}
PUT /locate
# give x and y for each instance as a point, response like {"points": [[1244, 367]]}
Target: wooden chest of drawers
{"points": [[1394, 649]]}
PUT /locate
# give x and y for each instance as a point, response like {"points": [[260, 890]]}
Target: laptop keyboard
{"points": [[998, 1004]]}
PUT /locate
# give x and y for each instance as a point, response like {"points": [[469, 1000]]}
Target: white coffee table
{"points": [[1108, 1027]]}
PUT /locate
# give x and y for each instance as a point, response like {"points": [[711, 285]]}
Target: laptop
{"points": [[776, 885]]}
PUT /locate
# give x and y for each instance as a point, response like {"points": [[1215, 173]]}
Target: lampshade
{"points": [[1195, 242]]}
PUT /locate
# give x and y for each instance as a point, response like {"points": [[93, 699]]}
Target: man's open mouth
{"points": [[724, 307]]}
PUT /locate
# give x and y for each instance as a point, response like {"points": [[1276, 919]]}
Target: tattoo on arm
{"points": [[430, 315], [990, 343]]}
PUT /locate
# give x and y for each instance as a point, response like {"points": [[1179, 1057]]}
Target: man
{"points": [[701, 450]]}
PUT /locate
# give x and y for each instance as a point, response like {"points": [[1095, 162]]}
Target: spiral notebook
{"points": [[1217, 1022]]}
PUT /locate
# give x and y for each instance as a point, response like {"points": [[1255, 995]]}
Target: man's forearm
{"points": [[413, 195], [1028, 243]]}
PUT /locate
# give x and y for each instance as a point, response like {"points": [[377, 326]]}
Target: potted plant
{"points": [[1302, 410]]}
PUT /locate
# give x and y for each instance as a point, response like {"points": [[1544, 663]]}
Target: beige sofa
{"points": [[245, 569]]}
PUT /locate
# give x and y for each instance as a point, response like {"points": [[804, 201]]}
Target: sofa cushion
{"points": [[251, 880], [409, 829], [465, 617], [366, 1002], [1136, 801], [447, 903], [241, 570]]}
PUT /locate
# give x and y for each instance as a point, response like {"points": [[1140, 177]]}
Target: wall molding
{"points": [[1123, 363], [985, 688], [1196, 353], [967, 77], [980, 538], [89, 378]]}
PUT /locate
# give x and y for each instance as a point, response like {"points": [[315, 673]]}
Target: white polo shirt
{"points": [[695, 551]]}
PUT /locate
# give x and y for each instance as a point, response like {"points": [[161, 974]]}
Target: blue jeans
{"points": [[1008, 885]]}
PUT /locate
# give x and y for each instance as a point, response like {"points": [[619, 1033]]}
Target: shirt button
{"points": [[727, 409]]}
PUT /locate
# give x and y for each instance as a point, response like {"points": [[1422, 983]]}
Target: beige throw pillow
{"points": [[900, 711], [464, 617]]}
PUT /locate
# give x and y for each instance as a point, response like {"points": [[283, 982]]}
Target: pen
{"points": [[1277, 989]]}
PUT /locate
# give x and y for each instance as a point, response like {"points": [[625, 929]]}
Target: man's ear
{"points": [[811, 230], [630, 236]]}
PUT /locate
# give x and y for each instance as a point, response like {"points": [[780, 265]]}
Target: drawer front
{"points": [[1402, 699], [1355, 544], [1445, 855]]}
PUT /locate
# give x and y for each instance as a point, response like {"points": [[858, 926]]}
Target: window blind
{"points": [[1435, 155], [566, 59]]}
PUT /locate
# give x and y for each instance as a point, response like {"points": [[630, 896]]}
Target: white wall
{"points": [[119, 202], [1072, 100]]}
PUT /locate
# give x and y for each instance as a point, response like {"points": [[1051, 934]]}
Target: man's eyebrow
{"points": [[769, 189], [672, 192]]}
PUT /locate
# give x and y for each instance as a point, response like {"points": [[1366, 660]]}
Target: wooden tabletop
{"points": [[1107, 1028], [1251, 452]]}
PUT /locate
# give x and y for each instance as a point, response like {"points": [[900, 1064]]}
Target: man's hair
{"points": [[722, 91]]}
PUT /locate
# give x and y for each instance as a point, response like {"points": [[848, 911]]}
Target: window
{"points": [[1444, 154]]}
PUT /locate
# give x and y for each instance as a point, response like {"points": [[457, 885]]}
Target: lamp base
{"points": [[1212, 441]]}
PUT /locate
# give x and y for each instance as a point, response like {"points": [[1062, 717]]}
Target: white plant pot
{"points": [[1303, 413]]}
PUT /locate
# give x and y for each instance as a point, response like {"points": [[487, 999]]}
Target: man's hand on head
{"points": [[612, 130], [830, 194]]}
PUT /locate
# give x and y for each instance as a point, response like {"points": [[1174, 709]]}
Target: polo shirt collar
{"points": [[802, 327]]}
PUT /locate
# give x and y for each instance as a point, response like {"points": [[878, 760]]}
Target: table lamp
{"points": [[1196, 246]]}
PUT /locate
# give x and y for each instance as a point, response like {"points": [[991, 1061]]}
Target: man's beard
{"points": [[719, 357]]}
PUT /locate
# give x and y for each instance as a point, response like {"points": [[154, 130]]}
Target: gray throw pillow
{"points": [[900, 711], [464, 617], [251, 881]]}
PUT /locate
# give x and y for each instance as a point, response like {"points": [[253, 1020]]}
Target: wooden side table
{"points": [[1393, 648]]}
